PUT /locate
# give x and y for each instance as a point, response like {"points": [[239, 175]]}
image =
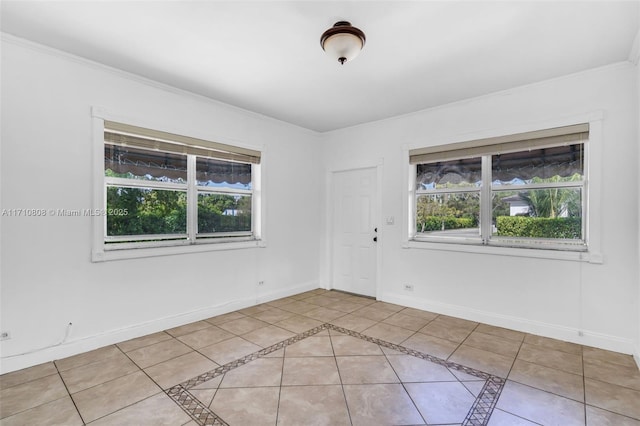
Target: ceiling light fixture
{"points": [[343, 41]]}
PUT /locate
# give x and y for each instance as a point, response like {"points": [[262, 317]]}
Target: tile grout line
{"points": [[143, 372], [157, 343], [69, 393], [29, 380], [584, 377], [344, 394], [195, 408], [543, 390], [515, 358], [485, 389], [560, 370], [57, 373], [284, 353], [405, 388], [483, 406], [479, 413], [462, 341], [216, 392], [520, 417], [457, 379], [514, 361], [418, 331], [160, 390]]}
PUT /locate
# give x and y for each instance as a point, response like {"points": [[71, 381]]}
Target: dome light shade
{"points": [[342, 41]]}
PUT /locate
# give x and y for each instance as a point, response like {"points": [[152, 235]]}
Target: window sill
{"points": [[136, 253], [576, 256]]}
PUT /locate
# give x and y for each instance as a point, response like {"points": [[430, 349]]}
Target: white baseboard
{"points": [[568, 334], [636, 354], [286, 292], [11, 363]]}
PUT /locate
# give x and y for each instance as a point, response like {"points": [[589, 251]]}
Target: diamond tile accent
{"points": [[196, 409], [485, 403], [478, 415], [345, 366]]}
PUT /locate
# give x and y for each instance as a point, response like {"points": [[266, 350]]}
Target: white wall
{"points": [[636, 59], [48, 280], [47, 277], [557, 298]]}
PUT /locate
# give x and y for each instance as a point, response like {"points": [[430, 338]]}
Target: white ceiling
{"points": [[265, 56]]}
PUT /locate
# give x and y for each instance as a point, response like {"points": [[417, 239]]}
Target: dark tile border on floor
{"points": [[478, 415]]}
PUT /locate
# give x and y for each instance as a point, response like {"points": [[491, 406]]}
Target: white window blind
{"points": [[140, 137], [578, 133]]}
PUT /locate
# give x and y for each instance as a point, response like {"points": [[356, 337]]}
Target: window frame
{"points": [[190, 242], [591, 198], [418, 236], [550, 244]]}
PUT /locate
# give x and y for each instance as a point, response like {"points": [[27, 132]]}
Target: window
{"points": [[162, 189], [524, 190]]}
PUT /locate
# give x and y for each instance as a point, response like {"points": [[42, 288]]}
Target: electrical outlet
{"points": [[261, 282], [5, 335], [408, 287]]}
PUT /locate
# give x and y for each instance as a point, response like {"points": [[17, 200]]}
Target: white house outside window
{"points": [[524, 190]]}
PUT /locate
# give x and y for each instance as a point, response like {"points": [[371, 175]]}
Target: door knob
{"points": [[375, 239]]}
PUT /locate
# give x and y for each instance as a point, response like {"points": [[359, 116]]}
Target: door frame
{"points": [[377, 165]]}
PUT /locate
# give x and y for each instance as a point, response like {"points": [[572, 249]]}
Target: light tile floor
{"points": [[329, 358]]}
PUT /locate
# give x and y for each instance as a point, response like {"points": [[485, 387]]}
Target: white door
{"points": [[354, 230]]}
